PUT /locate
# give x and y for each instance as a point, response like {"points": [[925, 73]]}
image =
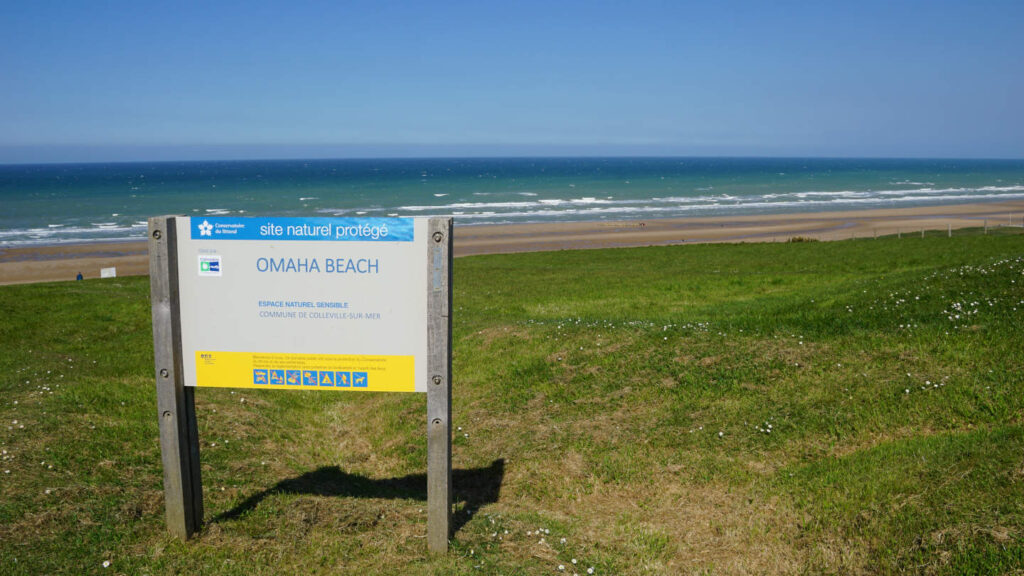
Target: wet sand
{"points": [[64, 262]]}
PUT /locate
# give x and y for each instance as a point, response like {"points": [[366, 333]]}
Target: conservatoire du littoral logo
{"points": [[205, 229]]}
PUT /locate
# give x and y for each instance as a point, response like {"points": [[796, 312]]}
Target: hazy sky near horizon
{"points": [[124, 80]]}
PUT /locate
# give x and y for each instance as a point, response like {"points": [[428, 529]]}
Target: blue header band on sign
{"points": [[319, 229]]}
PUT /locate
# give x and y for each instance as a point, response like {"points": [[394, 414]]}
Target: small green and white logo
{"points": [[209, 266]]}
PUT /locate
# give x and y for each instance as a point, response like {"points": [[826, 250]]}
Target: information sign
{"points": [[357, 304], [304, 303]]}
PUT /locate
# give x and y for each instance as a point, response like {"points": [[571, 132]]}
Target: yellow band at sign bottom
{"points": [[305, 371]]}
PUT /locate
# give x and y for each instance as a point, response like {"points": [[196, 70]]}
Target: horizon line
{"points": [[112, 153]]}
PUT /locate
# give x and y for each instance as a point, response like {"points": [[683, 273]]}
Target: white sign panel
{"points": [[304, 303]]}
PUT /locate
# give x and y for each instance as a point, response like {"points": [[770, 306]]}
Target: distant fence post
{"points": [[179, 436], [439, 391], [949, 230]]}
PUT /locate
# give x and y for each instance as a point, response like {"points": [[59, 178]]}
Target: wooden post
{"points": [[986, 226], [899, 233], [922, 232], [439, 392], [179, 436], [949, 230]]}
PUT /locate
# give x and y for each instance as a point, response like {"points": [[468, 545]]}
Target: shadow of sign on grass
{"points": [[474, 487]]}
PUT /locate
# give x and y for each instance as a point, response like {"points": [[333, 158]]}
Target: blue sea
{"points": [[58, 203]]}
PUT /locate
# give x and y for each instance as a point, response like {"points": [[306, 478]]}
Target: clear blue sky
{"points": [[135, 80]]}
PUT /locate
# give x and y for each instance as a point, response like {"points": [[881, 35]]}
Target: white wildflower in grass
{"points": [[590, 570], [561, 567], [106, 563]]}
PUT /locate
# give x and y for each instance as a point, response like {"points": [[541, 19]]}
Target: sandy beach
{"points": [[64, 262]]}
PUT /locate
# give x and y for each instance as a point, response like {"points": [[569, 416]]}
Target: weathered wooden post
{"points": [[179, 436], [439, 392]]}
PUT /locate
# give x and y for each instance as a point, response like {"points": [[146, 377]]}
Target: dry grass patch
{"points": [[669, 527], [835, 555]]}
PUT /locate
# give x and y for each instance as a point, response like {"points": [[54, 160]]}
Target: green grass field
{"points": [[846, 407]]}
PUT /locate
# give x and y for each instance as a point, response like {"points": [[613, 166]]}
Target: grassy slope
{"points": [[619, 400]]}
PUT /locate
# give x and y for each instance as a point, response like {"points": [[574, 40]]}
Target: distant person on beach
{"points": [[79, 277]]}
